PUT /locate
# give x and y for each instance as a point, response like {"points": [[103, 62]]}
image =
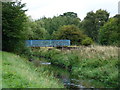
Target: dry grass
{"points": [[100, 52]]}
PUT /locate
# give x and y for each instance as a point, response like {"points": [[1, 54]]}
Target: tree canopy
{"points": [[70, 32], [17, 27], [93, 21], [109, 34], [13, 18], [53, 24]]}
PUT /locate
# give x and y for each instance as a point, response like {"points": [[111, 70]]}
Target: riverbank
{"points": [[96, 64], [18, 72]]}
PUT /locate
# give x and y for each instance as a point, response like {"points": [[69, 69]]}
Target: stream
{"points": [[65, 77]]}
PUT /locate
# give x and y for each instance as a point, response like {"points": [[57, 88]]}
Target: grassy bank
{"points": [[19, 73], [98, 63], [0, 71]]}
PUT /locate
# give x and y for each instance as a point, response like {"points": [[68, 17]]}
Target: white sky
{"points": [[50, 8]]}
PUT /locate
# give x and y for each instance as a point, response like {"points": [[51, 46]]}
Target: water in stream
{"points": [[66, 77]]}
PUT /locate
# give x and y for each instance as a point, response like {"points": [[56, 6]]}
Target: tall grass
{"points": [[19, 73], [99, 63], [101, 52]]}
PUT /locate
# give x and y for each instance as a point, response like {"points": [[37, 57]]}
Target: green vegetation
{"points": [[109, 33], [19, 73], [96, 26], [87, 41], [13, 26], [95, 63], [93, 21], [0, 71], [53, 24], [66, 31]]}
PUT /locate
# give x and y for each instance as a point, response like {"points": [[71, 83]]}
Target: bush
{"points": [[87, 41], [73, 59]]}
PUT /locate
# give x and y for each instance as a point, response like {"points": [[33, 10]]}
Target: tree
{"points": [[93, 21], [28, 28], [53, 24], [71, 18], [110, 32], [13, 19], [39, 30], [88, 24], [36, 29], [70, 14], [70, 32]]}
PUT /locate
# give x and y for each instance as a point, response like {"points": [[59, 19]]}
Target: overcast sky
{"points": [[50, 8]]}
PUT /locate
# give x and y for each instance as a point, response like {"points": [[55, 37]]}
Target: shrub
{"points": [[87, 41], [26, 52]]}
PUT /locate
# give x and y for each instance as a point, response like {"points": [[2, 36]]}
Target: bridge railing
{"points": [[47, 43]]}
